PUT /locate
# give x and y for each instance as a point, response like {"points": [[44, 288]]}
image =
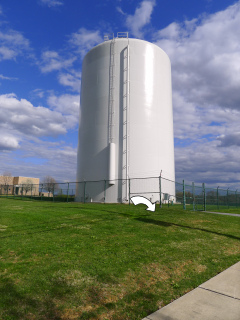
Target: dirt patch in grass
{"points": [[232, 250]]}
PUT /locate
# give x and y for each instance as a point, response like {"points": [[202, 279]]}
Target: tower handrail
{"points": [[122, 35], [109, 36]]}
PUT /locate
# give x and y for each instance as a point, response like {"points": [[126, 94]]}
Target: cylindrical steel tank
{"points": [[126, 120]]}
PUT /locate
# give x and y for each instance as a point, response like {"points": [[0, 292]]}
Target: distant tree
{"points": [[27, 185], [49, 184], [7, 180]]}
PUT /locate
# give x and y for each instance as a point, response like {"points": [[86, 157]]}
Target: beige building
{"points": [[19, 185]]}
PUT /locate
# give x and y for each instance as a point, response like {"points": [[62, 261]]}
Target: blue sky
{"points": [[43, 42]]}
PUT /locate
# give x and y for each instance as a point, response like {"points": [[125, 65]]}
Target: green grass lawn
{"points": [[96, 261]]}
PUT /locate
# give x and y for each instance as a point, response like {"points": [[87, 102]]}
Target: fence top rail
{"points": [[144, 178], [188, 186]]}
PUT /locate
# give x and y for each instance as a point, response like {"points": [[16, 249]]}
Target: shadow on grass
{"points": [[12, 300], [143, 218], [16, 304], [169, 224], [33, 229], [134, 305]]}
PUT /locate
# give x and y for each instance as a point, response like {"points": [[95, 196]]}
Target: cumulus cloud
{"points": [[12, 44], [40, 158], [66, 104], [204, 53], [22, 117], [228, 140], [8, 142], [140, 18], [205, 57], [70, 79], [207, 163], [25, 129], [52, 61], [83, 40]]}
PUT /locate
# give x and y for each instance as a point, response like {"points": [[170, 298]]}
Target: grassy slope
{"points": [[93, 261]]}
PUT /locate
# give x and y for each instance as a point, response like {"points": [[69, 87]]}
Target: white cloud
{"points": [[37, 93], [205, 59], [65, 104], [119, 9], [232, 139], [39, 158], [14, 37], [207, 143], [22, 117], [72, 80], [83, 40], [2, 77], [208, 163], [140, 18], [24, 132], [12, 44], [52, 61], [7, 54], [8, 142], [52, 3]]}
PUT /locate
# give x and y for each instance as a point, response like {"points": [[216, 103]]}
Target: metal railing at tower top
{"points": [[120, 35]]}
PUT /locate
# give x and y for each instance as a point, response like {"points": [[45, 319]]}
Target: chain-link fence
{"points": [[156, 189], [46, 192]]}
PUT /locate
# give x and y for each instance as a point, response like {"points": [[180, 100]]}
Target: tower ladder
{"points": [[125, 114], [111, 91]]}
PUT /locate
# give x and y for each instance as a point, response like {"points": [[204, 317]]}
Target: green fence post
{"points": [[217, 198], [227, 199], [84, 191], [193, 195], [160, 190], [184, 196], [67, 191], [129, 191], [236, 198], [204, 197], [53, 193], [105, 186]]}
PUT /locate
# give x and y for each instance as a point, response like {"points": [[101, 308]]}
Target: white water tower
{"points": [[126, 120]]}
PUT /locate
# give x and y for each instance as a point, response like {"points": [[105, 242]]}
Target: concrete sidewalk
{"points": [[225, 214], [216, 299]]}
